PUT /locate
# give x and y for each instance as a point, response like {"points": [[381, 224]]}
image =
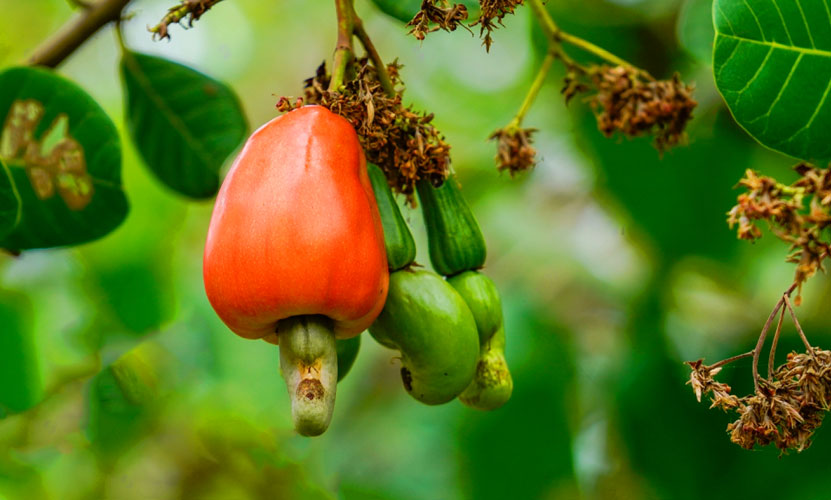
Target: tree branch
{"points": [[380, 67], [343, 50], [536, 86], [74, 33]]}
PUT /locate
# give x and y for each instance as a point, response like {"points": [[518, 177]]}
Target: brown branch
{"points": [[761, 342], [74, 33], [372, 52], [730, 360], [191, 10], [774, 343], [798, 326]]}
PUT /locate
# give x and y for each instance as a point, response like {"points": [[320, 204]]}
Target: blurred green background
{"points": [[615, 266]]}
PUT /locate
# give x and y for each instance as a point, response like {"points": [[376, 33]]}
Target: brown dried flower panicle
{"points": [[629, 102], [785, 410], [401, 141], [515, 152], [187, 10], [784, 209], [442, 14], [491, 15], [435, 15]]}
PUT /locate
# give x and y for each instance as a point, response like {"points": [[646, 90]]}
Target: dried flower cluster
{"points": [[492, 12], [401, 141], [627, 101], [785, 410], [189, 10], [441, 14], [783, 207], [515, 152], [435, 15]]}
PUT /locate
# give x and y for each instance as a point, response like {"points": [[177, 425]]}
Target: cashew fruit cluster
{"points": [[307, 248], [457, 250]]}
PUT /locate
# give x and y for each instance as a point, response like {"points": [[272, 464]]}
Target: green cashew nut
{"points": [[430, 324], [308, 363], [492, 385], [347, 350]]}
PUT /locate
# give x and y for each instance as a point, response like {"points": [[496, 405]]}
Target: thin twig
{"points": [[730, 360], [190, 9], [74, 33], [761, 342], [556, 36], [774, 342], [536, 86], [380, 67], [798, 326]]}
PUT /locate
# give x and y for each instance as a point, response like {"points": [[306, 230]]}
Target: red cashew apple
{"points": [[295, 251]]}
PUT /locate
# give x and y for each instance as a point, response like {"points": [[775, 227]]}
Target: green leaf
{"points": [[122, 397], [63, 160], [772, 64], [184, 123], [21, 388], [403, 10], [695, 29], [9, 202]]}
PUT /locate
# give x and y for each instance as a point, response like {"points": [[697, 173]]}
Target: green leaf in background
{"points": [[525, 448], [671, 201], [695, 29], [772, 64], [9, 202], [184, 123], [136, 292], [20, 388], [122, 395], [64, 157]]}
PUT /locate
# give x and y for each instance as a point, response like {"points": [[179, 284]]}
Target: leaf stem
{"points": [[536, 86], [343, 49], [74, 33]]}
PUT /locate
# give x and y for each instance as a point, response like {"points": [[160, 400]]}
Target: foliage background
{"points": [[615, 266]]}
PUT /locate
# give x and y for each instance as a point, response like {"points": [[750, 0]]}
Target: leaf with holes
{"points": [[9, 202], [772, 64], [184, 123], [62, 158]]}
